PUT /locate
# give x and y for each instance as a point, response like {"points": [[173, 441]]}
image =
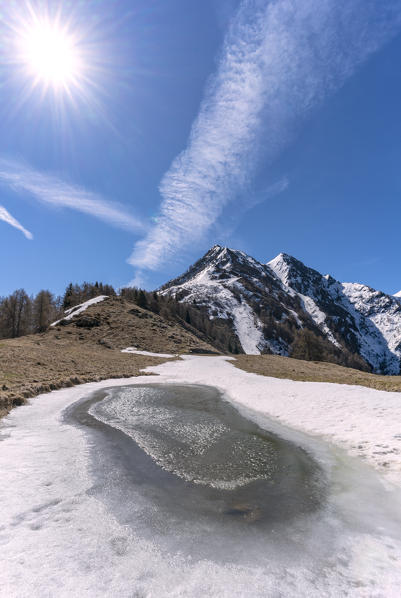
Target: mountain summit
{"points": [[268, 306]]}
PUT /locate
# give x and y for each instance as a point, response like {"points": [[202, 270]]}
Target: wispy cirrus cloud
{"points": [[5, 216], [51, 190], [280, 59]]}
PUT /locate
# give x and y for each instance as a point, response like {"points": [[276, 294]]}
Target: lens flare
{"points": [[49, 50], [60, 57], [50, 54]]}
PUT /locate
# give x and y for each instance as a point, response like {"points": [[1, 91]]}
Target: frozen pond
{"points": [[164, 488], [181, 467], [187, 462]]}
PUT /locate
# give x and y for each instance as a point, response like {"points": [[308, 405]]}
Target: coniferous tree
{"points": [[141, 300], [307, 346], [68, 299]]}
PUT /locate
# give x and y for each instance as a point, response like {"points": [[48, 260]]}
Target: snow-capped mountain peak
{"points": [[215, 283], [266, 305], [281, 266]]}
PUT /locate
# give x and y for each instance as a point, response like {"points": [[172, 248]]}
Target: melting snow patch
{"points": [[318, 317], [248, 333], [148, 353], [77, 309]]}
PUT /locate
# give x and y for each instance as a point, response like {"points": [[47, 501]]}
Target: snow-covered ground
{"points": [[136, 351], [58, 538], [78, 309]]}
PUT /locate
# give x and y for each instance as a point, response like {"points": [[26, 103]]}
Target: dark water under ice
{"points": [[175, 458]]}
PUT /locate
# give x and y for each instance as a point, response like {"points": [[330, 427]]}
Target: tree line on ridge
{"points": [[21, 314]]}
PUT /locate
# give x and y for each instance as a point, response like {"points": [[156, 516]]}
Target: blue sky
{"points": [[265, 126]]}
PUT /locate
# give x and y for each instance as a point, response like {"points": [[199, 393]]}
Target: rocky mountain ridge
{"points": [[266, 305]]}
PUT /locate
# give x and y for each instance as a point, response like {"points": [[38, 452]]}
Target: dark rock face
{"points": [[64, 322], [267, 305], [87, 321], [105, 343]]}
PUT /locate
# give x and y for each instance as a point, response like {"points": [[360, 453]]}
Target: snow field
{"points": [[58, 539]]}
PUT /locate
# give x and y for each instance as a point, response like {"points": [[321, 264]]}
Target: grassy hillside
{"points": [[88, 348], [314, 371]]}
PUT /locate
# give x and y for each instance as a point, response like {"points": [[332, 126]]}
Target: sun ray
{"points": [[49, 52], [59, 62]]}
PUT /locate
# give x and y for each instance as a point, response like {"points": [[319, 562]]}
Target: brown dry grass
{"points": [[72, 354], [82, 352], [313, 371], [30, 367]]}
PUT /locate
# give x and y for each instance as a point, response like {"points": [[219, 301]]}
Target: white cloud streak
{"points": [[280, 59], [5, 216], [52, 191]]}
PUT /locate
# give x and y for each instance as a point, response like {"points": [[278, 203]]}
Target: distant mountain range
{"points": [[267, 305]]}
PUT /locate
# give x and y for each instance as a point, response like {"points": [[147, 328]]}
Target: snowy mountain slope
{"points": [[266, 305], [213, 283], [365, 320], [225, 305], [381, 313], [247, 295]]}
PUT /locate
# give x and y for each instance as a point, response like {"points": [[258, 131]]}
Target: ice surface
{"points": [[60, 536], [363, 421], [185, 436]]}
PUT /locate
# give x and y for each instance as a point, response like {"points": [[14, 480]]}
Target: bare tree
{"points": [[15, 314], [44, 311]]}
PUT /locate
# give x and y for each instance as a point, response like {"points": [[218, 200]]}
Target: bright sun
{"points": [[51, 55]]}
